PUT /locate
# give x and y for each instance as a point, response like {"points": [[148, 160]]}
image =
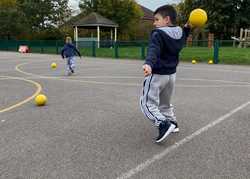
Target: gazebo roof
{"points": [[94, 20]]}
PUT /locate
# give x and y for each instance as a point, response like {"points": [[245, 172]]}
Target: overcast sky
{"points": [[151, 4]]}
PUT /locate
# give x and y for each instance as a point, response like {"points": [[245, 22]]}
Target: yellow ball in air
{"points": [[198, 17]]}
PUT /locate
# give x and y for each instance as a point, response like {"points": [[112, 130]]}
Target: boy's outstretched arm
{"points": [[186, 29], [154, 49], [62, 52], [77, 51]]}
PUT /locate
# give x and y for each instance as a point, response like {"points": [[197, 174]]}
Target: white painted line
{"points": [[161, 155], [77, 79], [210, 80], [210, 86], [70, 79], [214, 69]]}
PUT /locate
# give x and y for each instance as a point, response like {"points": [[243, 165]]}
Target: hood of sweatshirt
{"points": [[175, 32]]}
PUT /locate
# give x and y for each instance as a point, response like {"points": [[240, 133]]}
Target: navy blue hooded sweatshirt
{"points": [[164, 48], [69, 50]]}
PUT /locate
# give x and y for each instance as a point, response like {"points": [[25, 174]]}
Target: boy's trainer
{"points": [[165, 128]]}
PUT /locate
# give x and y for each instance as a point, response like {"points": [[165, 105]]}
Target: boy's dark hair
{"points": [[167, 10]]}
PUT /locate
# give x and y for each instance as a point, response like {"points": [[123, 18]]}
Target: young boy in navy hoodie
{"points": [[69, 51], [159, 68]]}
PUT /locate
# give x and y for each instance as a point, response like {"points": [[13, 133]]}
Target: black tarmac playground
{"points": [[92, 126]]}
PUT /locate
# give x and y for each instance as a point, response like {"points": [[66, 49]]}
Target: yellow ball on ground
{"points": [[210, 62], [198, 17], [53, 65], [194, 62], [40, 100]]}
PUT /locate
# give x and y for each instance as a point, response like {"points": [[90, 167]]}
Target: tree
{"points": [[126, 13], [7, 3], [88, 6], [225, 17], [43, 14], [11, 19], [27, 17]]}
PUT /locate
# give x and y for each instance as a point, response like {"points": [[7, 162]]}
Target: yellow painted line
{"points": [[38, 90], [17, 68], [246, 84]]}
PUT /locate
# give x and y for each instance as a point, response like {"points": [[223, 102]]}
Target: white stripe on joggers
{"points": [[159, 156], [143, 100]]}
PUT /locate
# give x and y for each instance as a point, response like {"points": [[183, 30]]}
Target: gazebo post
{"points": [[98, 36], [115, 34], [74, 32], [111, 36], [76, 36]]}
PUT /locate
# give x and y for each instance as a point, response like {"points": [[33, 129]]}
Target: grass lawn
{"points": [[123, 52], [200, 54], [227, 55]]}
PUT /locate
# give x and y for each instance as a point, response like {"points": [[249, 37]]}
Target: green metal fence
{"points": [[221, 52], [35, 46]]}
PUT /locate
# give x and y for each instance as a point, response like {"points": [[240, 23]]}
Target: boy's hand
{"points": [[188, 25], [147, 69]]}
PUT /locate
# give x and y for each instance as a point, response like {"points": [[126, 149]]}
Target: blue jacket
{"points": [[164, 48], [69, 50]]}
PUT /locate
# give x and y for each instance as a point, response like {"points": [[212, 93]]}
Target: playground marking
{"points": [[221, 81], [178, 144], [218, 70], [38, 90], [17, 68], [73, 79]]}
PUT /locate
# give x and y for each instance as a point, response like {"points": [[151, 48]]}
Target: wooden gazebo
{"points": [[95, 21]]}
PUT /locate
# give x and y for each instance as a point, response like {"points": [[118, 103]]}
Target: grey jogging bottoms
{"points": [[156, 96]]}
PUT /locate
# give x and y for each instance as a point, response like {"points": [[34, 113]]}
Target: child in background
{"points": [[69, 51], [159, 68]]}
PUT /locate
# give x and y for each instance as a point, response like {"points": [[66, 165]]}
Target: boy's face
{"points": [[160, 21]]}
